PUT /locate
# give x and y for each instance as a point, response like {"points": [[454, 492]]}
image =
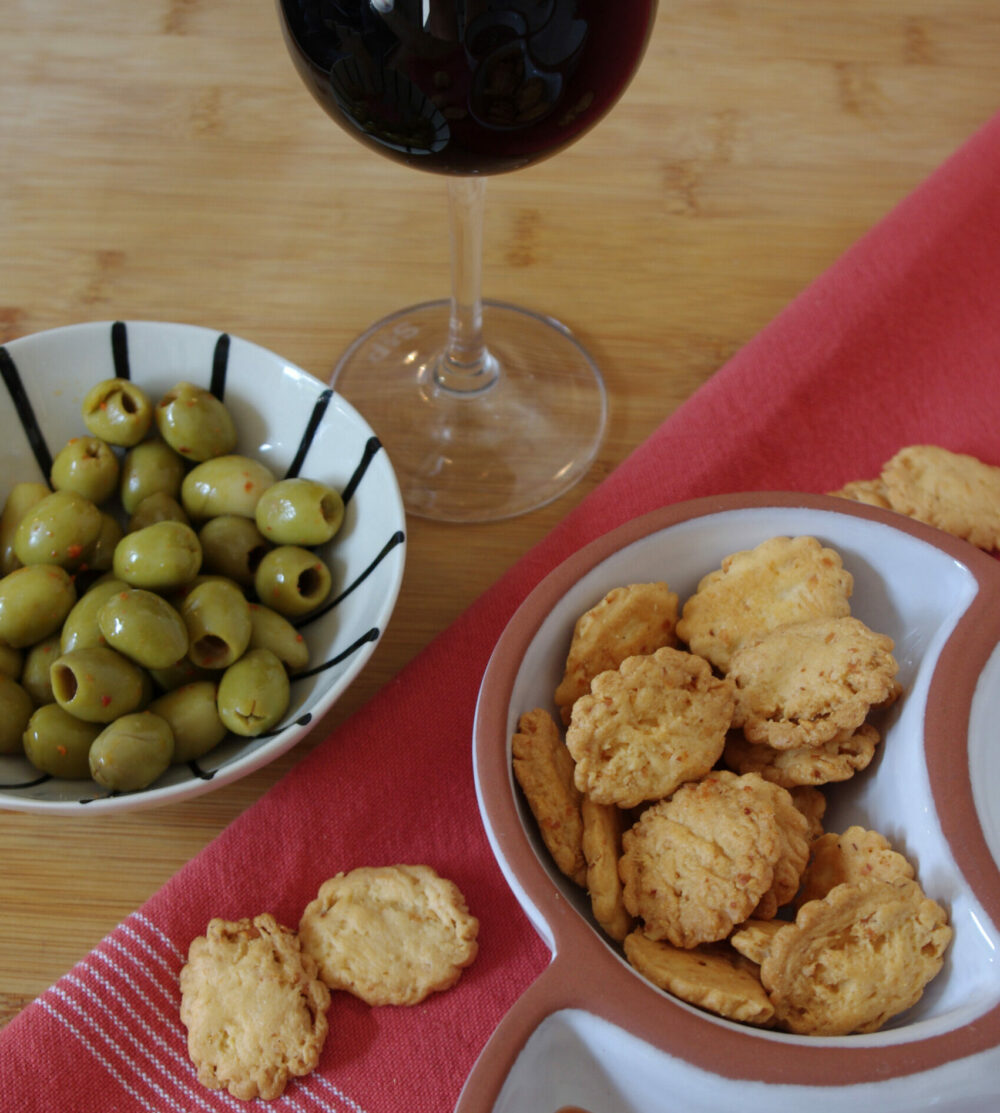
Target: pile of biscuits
{"points": [[680, 779], [255, 994]]}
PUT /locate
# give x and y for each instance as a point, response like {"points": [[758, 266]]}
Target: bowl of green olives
{"points": [[200, 546]]}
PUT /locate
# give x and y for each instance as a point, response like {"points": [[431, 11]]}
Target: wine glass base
{"points": [[522, 439]]}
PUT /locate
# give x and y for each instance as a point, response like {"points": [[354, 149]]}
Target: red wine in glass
{"points": [[465, 393]]}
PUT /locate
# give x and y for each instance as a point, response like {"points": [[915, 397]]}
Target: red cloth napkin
{"points": [[898, 343]]}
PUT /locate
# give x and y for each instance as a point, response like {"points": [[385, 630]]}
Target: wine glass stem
{"points": [[465, 366]]}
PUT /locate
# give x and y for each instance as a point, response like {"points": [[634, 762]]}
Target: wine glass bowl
{"points": [[486, 409]]}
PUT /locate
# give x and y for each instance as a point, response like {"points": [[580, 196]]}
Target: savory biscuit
{"points": [[254, 1007], [544, 769], [811, 802], [872, 492], [804, 683], [837, 760], [711, 977], [793, 828], [953, 491], [654, 723], [782, 580], [856, 855], [856, 958], [698, 863], [391, 935], [753, 938], [629, 621], [603, 826]]}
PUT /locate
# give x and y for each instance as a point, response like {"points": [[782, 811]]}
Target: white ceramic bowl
{"points": [[287, 419], [591, 1032]]}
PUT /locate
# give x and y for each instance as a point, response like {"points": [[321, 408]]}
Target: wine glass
{"points": [[487, 410]]}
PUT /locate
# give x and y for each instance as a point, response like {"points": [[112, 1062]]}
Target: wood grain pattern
{"points": [[163, 160]]}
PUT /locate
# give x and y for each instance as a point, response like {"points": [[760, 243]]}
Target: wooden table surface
{"points": [[163, 160]]}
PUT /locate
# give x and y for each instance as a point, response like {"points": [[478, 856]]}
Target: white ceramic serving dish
{"points": [[287, 419], [593, 1034]]}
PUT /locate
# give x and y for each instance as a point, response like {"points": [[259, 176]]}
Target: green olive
{"points": [[273, 631], [194, 719], [131, 752], [253, 693], [117, 411], [35, 678], [11, 661], [101, 554], [159, 557], [58, 743], [150, 468], [292, 580], [217, 617], [22, 497], [299, 512], [157, 507], [97, 684], [88, 466], [144, 627], [233, 547], [81, 630], [225, 485], [176, 676], [195, 423], [60, 529], [16, 708], [34, 602]]}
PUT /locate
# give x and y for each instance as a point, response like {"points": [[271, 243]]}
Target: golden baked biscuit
{"points": [[753, 938], [837, 760], [782, 580], [804, 683], [544, 769], [872, 492], [712, 977], [950, 490], [793, 828], [629, 621], [648, 727], [254, 1007], [698, 863], [603, 826], [856, 958], [812, 804], [856, 855], [391, 935]]}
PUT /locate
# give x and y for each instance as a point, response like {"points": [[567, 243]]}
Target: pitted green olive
{"points": [[292, 581], [273, 631], [117, 411], [11, 661], [101, 554], [217, 617], [34, 602], [225, 485], [22, 497], [58, 743], [157, 507], [253, 693], [97, 684], [16, 708], [195, 423], [80, 629], [150, 468], [60, 529], [299, 512], [233, 547], [144, 627], [131, 752], [35, 677], [88, 466], [194, 719], [159, 557], [184, 672]]}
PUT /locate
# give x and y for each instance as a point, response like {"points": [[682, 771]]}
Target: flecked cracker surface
{"points": [[603, 827], [837, 760]]}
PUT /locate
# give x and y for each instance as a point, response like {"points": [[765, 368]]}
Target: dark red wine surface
{"points": [[467, 86]]}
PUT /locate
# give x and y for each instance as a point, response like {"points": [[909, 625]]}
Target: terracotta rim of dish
{"points": [[611, 989]]}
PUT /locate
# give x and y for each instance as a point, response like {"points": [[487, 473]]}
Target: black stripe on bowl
{"points": [[119, 350], [25, 412]]}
